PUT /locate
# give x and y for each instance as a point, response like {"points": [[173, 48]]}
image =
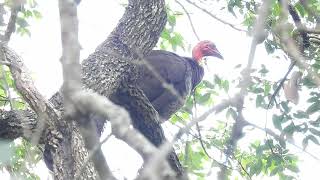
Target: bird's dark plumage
{"points": [[182, 73]]}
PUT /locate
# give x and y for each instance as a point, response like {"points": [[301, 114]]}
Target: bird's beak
{"points": [[217, 54]]}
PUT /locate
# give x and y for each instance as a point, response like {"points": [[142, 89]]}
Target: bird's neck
{"points": [[197, 56], [197, 72]]}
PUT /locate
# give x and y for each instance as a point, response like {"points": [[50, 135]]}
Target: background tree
{"points": [[287, 29]]}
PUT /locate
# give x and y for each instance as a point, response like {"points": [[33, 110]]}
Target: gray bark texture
{"points": [[109, 71]]}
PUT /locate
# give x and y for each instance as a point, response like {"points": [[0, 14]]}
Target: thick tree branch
{"points": [[31, 95], [297, 21], [15, 124], [72, 84], [11, 24]]}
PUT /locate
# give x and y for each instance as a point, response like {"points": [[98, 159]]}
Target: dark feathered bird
{"points": [[182, 73]]}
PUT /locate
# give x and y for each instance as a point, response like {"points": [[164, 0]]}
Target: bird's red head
{"points": [[205, 48]]}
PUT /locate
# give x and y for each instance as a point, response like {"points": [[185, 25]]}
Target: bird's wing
{"points": [[171, 68]]}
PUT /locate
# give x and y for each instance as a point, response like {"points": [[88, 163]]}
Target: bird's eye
{"points": [[212, 46], [207, 46]]}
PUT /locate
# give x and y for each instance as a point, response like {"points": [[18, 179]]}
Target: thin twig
{"points": [[215, 17], [276, 91], [297, 21], [190, 20], [197, 125], [242, 167]]}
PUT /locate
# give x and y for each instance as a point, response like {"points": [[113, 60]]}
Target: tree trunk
{"points": [[110, 65], [110, 72]]}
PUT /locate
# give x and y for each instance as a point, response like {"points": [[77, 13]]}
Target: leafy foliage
{"points": [[170, 39], [18, 162], [17, 157], [270, 157]]}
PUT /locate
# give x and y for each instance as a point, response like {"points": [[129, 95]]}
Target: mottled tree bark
{"points": [[110, 71]]}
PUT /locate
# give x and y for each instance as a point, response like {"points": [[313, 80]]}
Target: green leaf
{"points": [[249, 19], [263, 70], [22, 22], [285, 106], [217, 80], [293, 168], [237, 66], [17, 104], [27, 13], [174, 119], [231, 112], [277, 121], [313, 99], [316, 122], [257, 90], [300, 114], [165, 34], [276, 9], [300, 9], [315, 131], [231, 5], [23, 31], [171, 20], [269, 47], [3, 92], [37, 14], [313, 139], [176, 41], [260, 101], [275, 171], [208, 84], [302, 127], [225, 85], [289, 129], [313, 108], [308, 82], [267, 88], [316, 66], [9, 78], [256, 168], [204, 98], [305, 141]]}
